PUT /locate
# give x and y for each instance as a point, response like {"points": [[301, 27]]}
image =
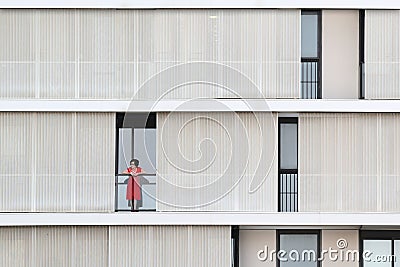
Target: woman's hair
{"points": [[134, 161]]}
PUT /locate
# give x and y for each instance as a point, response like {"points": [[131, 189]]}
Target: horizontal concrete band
{"points": [[200, 105], [338, 4], [202, 218]]}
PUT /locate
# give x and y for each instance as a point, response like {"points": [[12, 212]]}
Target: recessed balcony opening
{"points": [[135, 186], [310, 79], [288, 165]]}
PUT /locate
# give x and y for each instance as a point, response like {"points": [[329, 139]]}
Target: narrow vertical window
{"points": [[362, 52], [235, 246], [288, 180], [310, 80]]}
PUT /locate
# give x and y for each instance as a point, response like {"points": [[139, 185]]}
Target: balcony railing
{"points": [[288, 191], [147, 183], [310, 85]]}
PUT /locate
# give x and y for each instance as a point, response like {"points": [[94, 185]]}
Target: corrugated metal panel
{"points": [[95, 159], [164, 246], [16, 171], [54, 246], [382, 54], [16, 246], [91, 246], [348, 162], [230, 39], [17, 80], [217, 161], [18, 28], [170, 246], [204, 242], [109, 54], [17, 53], [390, 161], [57, 80], [57, 161]]}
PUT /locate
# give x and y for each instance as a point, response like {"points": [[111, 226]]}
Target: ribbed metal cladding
{"points": [[348, 162], [217, 161], [113, 54], [170, 246], [54, 246], [16, 246], [17, 165], [382, 54], [57, 162], [114, 246], [18, 52]]}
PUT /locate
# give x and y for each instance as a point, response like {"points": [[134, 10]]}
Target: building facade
{"points": [[269, 134]]}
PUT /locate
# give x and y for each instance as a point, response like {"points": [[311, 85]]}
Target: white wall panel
{"points": [[170, 246], [99, 54], [348, 162], [330, 240], [382, 56], [252, 241], [217, 161], [57, 161], [340, 57]]}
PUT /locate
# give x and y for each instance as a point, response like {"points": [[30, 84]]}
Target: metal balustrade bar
{"points": [[288, 191], [147, 183], [310, 79]]}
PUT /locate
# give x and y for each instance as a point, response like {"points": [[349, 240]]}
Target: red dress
{"points": [[133, 189]]}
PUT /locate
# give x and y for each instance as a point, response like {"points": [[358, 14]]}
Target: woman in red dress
{"points": [[133, 193]]}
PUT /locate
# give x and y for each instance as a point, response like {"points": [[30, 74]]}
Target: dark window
{"points": [[304, 243], [288, 170], [235, 246], [136, 138], [310, 54]]}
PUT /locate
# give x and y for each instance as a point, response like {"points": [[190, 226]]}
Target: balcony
{"points": [[147, 184]]}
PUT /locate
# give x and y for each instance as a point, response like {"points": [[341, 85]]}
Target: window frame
{"points": [[287, 120], [298, 232], [317, 59], [392, 235]]}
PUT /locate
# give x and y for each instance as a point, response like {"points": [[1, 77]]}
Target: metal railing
{"points": [[310, 80], [147, 183], [288, 191]]}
